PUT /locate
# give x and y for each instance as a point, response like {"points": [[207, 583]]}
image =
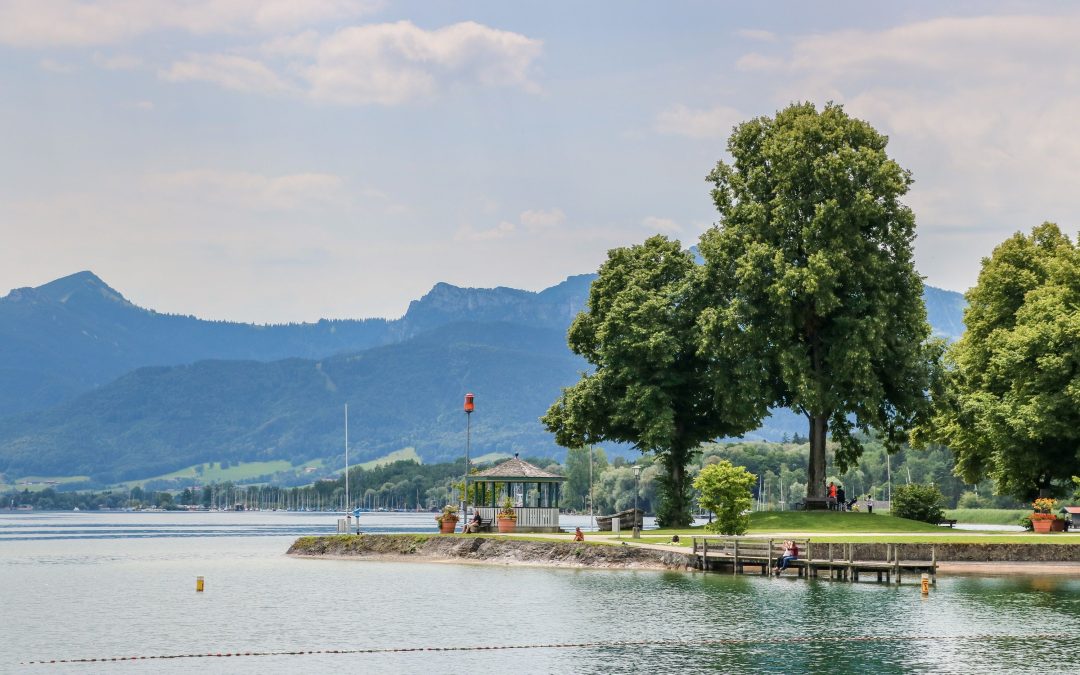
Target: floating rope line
{"points": [[582, 645]]}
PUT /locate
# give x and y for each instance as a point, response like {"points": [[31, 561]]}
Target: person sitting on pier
{"points": [[791, 552]]}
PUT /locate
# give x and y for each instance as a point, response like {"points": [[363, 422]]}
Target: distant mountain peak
{"points": [[83, 285]]}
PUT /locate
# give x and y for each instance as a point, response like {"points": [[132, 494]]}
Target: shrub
{"points": [[725, 490], [972, 500], [918, 502]]}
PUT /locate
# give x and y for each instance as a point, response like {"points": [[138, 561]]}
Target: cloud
{"points": [[385, 64], [714, 123], [393, 63], [144, 105], [252, 191], [57, 67], [758, 35], [755, 61], [80, 23], [230, 71], [500, 231], [532, 222], [118, 62], [981, 109], [661, 224], [541, 220]]}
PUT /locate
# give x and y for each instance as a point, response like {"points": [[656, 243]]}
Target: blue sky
{"points": [[289, 160]]}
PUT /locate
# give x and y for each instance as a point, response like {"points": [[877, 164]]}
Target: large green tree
{"points": [[1011, 407], [651, 385], [811, 278]]}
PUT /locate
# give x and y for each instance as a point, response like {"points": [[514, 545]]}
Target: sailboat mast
{"points": [[346, 457]]}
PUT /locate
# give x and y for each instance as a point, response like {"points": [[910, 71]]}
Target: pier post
{"points": [[933, 564], [735, 563]]}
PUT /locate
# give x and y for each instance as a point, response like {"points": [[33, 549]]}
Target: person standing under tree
{"points": [[869, 504]]}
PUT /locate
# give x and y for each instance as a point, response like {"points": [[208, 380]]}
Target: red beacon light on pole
{"points": [[469, 405]]}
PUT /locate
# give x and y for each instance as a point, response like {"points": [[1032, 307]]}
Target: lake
{"points": [[103, 585]]}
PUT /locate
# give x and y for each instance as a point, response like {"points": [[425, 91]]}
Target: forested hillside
{"points": [[71, 351]]}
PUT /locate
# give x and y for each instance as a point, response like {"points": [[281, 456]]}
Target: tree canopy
{"points": [[652, 386], [811, 278], [1011, 403]]}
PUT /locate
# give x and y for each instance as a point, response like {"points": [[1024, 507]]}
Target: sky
{"points": [[291, 160]]}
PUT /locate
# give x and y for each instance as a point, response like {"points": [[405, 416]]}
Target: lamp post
{"points": [[470, 405], [637, 480]]}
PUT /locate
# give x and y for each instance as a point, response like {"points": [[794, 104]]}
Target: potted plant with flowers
{"points": [[447, 520], [1043, 518], [507, 517]]}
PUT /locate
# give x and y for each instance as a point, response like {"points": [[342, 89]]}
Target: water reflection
{"points": [[117, 594]]}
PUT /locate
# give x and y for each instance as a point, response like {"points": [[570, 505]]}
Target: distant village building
{"points": [[534, 492]]}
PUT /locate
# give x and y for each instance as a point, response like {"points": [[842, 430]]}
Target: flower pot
{"points": [[507, 525], [1057, 525], [448, 525], [1042, 525]]}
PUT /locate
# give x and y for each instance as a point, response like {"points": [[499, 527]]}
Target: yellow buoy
{"points": [[199, 585], [926, 584]]}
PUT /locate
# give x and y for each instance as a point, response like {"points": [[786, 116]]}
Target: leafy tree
{"points": [[918, 502], [725, 490], [812, 282], [1011, 406], [651, 387]]}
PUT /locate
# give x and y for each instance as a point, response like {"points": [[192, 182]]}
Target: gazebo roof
{"points": [[517, 470]]}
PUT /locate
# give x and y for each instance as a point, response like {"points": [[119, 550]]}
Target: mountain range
{"points": [[93, 385]]}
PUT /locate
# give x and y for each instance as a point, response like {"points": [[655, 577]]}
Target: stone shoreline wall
{"points": [[491, 550], [500, 550]]}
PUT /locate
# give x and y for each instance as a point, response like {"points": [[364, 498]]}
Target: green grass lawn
{"points": [[39, 483], [987, 516], [212, 472], [395, 456]]}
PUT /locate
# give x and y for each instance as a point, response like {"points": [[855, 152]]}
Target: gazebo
{"points": [[534, 492]]}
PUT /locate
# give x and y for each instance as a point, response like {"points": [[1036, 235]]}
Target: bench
{"points": [[947, 521], [485, 525], [818, 503]]}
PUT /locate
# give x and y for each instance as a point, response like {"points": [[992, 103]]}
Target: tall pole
{"points": [[469, 407], [637, 477], [888, 475], [592, 516], [346, 460]]}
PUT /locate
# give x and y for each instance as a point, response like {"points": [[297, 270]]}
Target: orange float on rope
{"points": [[469, 405]]}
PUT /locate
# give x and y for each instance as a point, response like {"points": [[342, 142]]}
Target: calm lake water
{"points": [[102, 585]]}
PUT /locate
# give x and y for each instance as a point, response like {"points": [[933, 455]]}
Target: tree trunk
{"points": [[815, 468], [674, 508]]}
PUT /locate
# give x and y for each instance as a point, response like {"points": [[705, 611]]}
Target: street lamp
{"points": [[470, 405], [637, 523]]}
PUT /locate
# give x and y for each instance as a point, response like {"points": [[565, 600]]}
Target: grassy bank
{"points": [[987, 516]]}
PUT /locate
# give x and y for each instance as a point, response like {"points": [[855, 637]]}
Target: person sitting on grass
{"points": [[578, 534], [791, 552]]}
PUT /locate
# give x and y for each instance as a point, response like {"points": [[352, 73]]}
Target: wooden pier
{"points": [[832, 561]]}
